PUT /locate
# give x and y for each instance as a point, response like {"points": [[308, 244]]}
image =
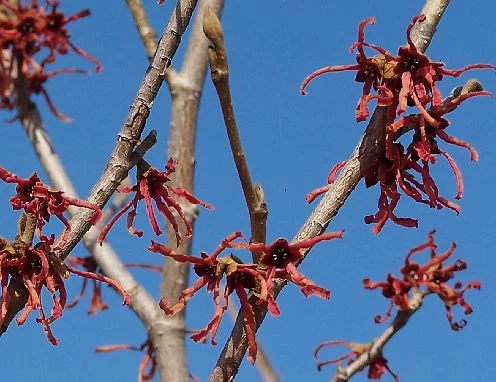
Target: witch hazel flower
{"points": [[28, 28], [88, 264], [148, 365], [38, 268], [35, 83], [368, 71], [429, 278], [32, 36], [409, 171], [410, 75], [378, 366], [419, 75], [414, 179], [282, 258], [153, 186], [211, 270], [278, 261], [36, 198]]}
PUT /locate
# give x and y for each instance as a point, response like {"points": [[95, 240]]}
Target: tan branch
{"points": [[370, 146], [147, 34], [253, 194]]}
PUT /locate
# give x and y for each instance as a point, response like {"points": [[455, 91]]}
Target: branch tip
{"points": [[213, 28]]}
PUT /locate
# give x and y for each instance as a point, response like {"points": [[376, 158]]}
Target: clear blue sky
{"points": [[291, 142]]}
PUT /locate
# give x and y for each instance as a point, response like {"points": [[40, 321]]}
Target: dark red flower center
{"points": [[369, 71], [279, 257], [35, 264], [411, 64], [239, 278], [56, 22], [27, 26], [204, 270]]}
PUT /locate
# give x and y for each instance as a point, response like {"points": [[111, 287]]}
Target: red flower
{"points": [[148, 364], [28, 29], [36, 80], [330, 180], [281, 258], [409, 172], [152, 187], [210, 270], [96, 304], [57, 37], [369, 71], [397, 170], [410, 77], [39, 268], [429, 278], [419, 75], [32, 196], [377, 366]]}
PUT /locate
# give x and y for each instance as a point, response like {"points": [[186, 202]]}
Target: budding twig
{"points": [[217, 58]]}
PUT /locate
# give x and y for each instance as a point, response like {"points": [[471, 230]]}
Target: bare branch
{"points": [[370, 146], [254, 197]]}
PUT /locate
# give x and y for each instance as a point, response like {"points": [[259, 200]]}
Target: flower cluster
{"points": [[279, 260], [37, 268], [430, 278], [152, 186], [31, 38], [408, 79], [377, 366], [36, 198]]}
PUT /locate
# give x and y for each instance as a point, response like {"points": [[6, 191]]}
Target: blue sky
{"points": [[291, 142]]}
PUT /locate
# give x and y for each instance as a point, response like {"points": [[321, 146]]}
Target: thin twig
{"points": [[146, 32], [368, 149], [253, 194], [185, 88]]}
